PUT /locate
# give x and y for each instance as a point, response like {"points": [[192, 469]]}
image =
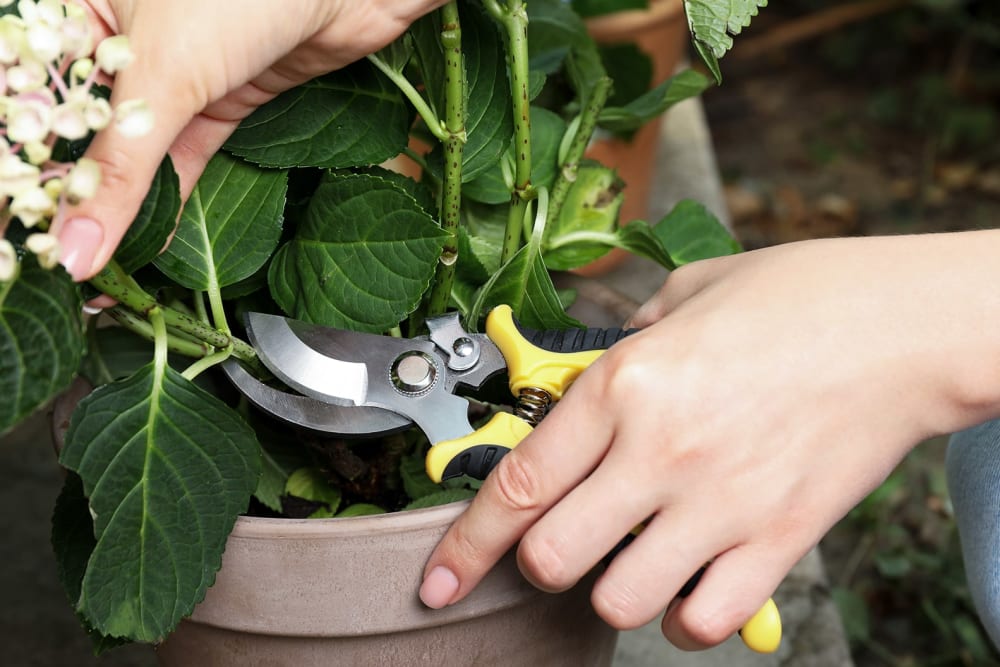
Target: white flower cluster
{"points": [[48, 66]]}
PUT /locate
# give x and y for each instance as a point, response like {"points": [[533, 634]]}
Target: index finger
{"points": [[562, 451]]}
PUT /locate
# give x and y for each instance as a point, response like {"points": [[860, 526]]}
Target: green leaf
{"points": [[168, 468], [155, 221], [280, 456], [41, 339], [638, 238], [554, 30], [630, 68], [547, 129], [712, 22], [229, 227], [416, 483], [584, 229], [525, 284], [360, 509], [352, 117], [72, 543], [441, 498], [310, 484], [362, 258], [641, 110], [691, 232]]}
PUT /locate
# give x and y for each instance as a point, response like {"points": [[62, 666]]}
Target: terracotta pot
{"points": [[661, 32], [344, 592]]}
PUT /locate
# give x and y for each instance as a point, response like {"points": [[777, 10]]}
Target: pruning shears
{"points": [[358, 384]]}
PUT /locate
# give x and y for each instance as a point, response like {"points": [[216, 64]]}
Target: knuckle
{"points": [[619, 605], [544, 566], [517, 484], [708, 628]]}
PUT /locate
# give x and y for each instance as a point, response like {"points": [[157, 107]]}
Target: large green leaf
{"points": [[691, 232], [547, 129], [41, 339], [362, 258], [167, 468], [352, 117], [651, 104], [230, 225], [711, 23], [156, 219]]}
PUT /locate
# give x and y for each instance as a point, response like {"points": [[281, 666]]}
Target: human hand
{"points": [[768, 393], [202, 67]]}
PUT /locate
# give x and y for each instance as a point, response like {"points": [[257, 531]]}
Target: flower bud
{"points": [[98, 113], [134, 118], [32, 206], [27, 76], [81, 69], [38, 152], [46, 249], [16, 175], [53, 187], [69, 120], [29, 119], [8, 261], [113, 53], [44, 41], [11, 39], [82, 180]]}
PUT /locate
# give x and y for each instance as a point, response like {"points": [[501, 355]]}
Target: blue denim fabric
{"points": [[973, 464]]}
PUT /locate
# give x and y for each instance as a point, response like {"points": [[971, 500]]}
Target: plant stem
{"points": [[203, 364], [121, 287], [437, 128], [578, 146], [143, 328], [514, 19], [454, 145]]}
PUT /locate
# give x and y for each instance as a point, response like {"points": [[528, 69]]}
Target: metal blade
{"points": [[312, 414]]}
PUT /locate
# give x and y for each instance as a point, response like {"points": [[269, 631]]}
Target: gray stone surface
{"points": [[37, 626]]}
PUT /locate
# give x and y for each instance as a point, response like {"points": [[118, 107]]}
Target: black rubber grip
{"points": [[476, 462], [573, 340]]}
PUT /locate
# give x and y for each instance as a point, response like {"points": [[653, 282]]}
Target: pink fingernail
{"points": [[439, 587], [80, 239]]}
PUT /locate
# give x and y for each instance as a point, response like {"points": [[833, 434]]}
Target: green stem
{"points": [[159, 339], [578, 146], [434, 124], [122, 288], [203, 364], [143, 328], [514, 19], [454, 145], [218, 309]]}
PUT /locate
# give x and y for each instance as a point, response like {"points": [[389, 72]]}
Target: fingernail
{"points": [[80, 239], [439, 587]]}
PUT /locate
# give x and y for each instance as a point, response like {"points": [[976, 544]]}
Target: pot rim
{"points": [[252, 527]]}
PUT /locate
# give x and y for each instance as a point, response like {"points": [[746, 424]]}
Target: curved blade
{"points": [[310, 360], [312, 414]]}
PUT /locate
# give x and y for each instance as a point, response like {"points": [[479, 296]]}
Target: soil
{"points": [[884, 127]]}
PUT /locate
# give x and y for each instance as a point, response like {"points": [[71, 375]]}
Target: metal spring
{"points": [[532, 404]]}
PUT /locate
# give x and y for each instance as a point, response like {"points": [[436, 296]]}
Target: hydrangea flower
{"points": [[48, 68]]}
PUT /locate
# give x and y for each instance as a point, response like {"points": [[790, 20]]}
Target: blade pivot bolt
{"points": [[413, 372]]}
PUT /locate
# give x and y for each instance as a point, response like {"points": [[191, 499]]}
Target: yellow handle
{"points": [[476, 454], [762, 633], [531, 366]]}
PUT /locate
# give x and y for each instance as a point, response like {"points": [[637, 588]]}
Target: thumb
{"points": [[90, 231]]}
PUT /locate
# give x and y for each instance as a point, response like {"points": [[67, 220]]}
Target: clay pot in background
{"points": [[661, 32]]}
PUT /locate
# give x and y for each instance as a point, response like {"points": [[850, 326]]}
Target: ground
{"points": [[886, 126]]}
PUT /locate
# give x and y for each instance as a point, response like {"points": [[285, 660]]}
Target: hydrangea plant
{"points": [[295, 216]]}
